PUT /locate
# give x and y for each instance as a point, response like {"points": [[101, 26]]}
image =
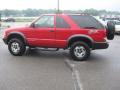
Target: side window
{"points": [[45, 21], [86, 21], [61, 23]]}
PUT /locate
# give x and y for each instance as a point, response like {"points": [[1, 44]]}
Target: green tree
{"points": [[92, 12]]}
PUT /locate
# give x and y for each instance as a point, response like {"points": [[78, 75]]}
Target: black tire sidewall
{"points": [[110, 30], [22, 47], [80, 43]]}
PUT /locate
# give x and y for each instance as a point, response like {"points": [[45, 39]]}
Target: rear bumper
{"points": [[101, 45]]}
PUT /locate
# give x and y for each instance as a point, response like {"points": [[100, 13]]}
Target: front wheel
{"points": [[16, 47], [80, 51]]}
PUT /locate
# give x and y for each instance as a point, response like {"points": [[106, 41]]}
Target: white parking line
{"points": [[75, 75], [78, 79]]}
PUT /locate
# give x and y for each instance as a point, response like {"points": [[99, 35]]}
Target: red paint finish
{"points": [[56, 37]]}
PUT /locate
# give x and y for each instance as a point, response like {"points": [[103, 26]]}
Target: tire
{"points": [[16, 47], [110, 30], [76, 48]]}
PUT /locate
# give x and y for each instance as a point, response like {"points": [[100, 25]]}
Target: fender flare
{"points": [[80, 36], [17, 33]]}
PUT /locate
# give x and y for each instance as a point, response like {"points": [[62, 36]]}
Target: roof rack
{"points": [[83, 13]]}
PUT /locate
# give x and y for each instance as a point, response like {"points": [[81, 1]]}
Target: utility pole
{"points": [[0, 19], [58, 6]]}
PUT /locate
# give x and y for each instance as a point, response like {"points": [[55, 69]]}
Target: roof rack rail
{"points": [[83, 13]]}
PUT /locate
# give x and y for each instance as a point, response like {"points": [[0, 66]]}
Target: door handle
{"points": [[51, 30]]}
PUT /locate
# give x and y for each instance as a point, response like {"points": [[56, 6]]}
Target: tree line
{"points": [[37, 12]]}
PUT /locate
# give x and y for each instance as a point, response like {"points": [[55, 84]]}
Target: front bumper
{"points": [[101, 45]]}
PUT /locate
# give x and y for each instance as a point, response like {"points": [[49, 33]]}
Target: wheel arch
{"points": [[80, 37], [18, 35]]}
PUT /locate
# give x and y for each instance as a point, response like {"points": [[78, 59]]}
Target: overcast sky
{"points": [[113, 5]]}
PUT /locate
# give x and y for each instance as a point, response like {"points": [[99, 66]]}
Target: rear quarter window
{"points": [[86, 21], [61, 23]]}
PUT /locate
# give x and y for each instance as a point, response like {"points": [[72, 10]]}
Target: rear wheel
{"points": [[16, 47], [79, 51]]}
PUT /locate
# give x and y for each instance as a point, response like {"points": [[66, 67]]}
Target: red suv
{"points": [[79, 33]]}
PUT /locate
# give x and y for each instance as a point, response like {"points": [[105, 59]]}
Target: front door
{"points": [[44, 31]]}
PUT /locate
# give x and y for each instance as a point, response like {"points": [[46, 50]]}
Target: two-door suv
{"points": [[80, 33]]}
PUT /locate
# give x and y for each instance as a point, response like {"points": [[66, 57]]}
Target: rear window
{"points": [[86, 21]]}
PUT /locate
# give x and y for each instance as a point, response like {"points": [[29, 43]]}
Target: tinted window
{"points": [[45, 21], [61, 23], [85, 21]]}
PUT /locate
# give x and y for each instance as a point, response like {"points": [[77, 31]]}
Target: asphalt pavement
{"points": [[43, 70], [102, 70]]}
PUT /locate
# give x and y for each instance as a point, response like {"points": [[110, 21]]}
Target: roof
{"points": [[68, 14]]}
